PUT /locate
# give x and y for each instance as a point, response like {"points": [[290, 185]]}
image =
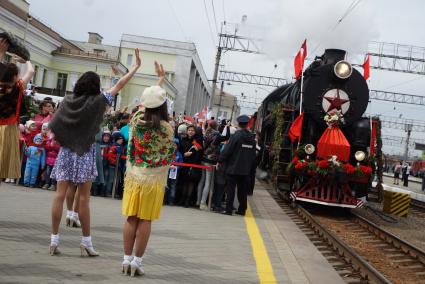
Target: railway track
{"points": [[417, 208], [359, 251]]}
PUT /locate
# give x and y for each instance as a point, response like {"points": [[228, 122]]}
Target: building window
{"points": [[61, 84], [129, 59], [34, 78], [219, 113], [224, 114], [43, 81]]}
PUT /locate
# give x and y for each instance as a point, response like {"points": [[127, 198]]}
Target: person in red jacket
{"points": [[45, 115], [52, 149]]}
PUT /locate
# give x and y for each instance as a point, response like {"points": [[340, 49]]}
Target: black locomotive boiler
{"points": [[335, 95]]}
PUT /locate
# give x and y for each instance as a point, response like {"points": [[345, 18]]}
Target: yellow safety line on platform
{"points": [[262, 260]]}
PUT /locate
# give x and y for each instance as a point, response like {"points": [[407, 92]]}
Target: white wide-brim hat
{"points": [[153, 97]]}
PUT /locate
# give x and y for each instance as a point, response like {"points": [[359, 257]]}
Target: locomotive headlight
{"points": [[309, 149], [343, 69], [360, 156]]}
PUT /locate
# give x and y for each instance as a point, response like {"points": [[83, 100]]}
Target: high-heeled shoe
{"points": [[74, 222], [126, 267], [136, 268], [68, 221], [53, 250], [88, 250]]}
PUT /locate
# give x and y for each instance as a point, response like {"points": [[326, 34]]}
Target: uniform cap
{"points": [[243, 119]]}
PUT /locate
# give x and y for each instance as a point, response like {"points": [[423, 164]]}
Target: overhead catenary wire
{"points": [[209, 23], [215, 18], [224, 12], [350, 8], [177, 19]]}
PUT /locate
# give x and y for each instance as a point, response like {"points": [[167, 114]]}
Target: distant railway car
{"points": [[328, 161], [418, 168]]}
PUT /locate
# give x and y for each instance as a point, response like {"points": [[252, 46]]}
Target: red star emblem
{"points": [[336, 102]]}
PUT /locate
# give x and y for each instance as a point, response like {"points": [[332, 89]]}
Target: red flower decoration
{"points": [[349, 169], [147, 136], [294, 160], [150, 162], [300, 165], [139, 161], [323, 164], [164, 162], [366, 170]]}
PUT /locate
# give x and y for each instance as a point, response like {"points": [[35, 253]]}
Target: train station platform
{"points": [[186, 245]]}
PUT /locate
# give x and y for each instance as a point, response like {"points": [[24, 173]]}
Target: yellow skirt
{"points": [[10, 162], [144, 192]]}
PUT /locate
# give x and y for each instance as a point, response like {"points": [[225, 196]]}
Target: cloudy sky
{"points": [[280, 25]]}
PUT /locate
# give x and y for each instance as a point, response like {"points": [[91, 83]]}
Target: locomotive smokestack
{"points": [[332, 56]]}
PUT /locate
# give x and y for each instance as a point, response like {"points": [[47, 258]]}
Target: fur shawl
{"points": [[78, 120]]}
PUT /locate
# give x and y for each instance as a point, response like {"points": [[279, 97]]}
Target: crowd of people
{"points": [[147, 157], [196, 142], [402, 170]]}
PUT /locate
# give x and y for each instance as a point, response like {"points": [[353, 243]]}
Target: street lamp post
{"points": [[408, 129]]}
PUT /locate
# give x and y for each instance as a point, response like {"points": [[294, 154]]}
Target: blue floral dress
{"points": [[70, 166]]}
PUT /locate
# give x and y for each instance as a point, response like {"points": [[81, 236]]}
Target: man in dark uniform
{"points": [[238, 156]]}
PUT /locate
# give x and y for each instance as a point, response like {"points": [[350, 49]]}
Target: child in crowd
{"points": [[44, 132], [116, 151], [104, 150], [30, 132], [36, 159], [52, 150], [170, 192]]}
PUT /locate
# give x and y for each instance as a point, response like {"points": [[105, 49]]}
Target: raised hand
{"points": [[138, 59], [159, 70], [18, 59]]}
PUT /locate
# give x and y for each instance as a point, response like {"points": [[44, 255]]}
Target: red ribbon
{"points": [[192, 165]]}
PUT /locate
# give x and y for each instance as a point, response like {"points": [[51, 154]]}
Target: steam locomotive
{"points": [[331, 87]]}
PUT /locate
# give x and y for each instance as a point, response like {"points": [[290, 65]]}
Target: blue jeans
{"points": [[111, 174], [171, 190], [31, 173], [48, 180]]}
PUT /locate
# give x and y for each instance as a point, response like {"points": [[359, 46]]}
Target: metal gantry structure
{"points": [[397, 57], [400, 123], [230, 42], [248, 78], [233, 42], [397, 97], [400, 140]]}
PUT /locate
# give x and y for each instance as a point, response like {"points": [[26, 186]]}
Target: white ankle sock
{"points": [[86, 241], [138, 260], [54, 239], [75, 215], [128, 257], [69, 213]]}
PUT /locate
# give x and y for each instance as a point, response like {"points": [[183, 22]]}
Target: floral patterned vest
{"points": [[148, 147]]}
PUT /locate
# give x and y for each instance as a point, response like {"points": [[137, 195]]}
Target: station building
{"points": [[59, 62]]}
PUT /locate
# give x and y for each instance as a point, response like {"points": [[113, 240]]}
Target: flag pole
{"points": [[302, 92]]}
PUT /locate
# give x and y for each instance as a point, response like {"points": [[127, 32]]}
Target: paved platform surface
{"points": [[186, 245], [414, 188]]}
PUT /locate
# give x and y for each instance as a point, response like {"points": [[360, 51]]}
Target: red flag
{"points": [[299, 60], [203, 113], [366, 67], [296, 128], [251, 122], [189, 119]]}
